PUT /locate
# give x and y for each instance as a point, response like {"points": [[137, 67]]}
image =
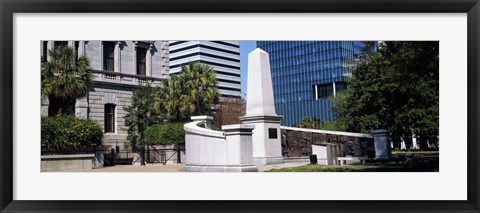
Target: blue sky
{"points": [[245, 48]]}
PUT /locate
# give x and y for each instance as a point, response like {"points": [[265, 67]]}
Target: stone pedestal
{"points": [[267, 145], [239, 147], [381, 139]]}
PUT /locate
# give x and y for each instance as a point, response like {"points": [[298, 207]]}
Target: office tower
{"points": [[223, 56], [306, 74]]}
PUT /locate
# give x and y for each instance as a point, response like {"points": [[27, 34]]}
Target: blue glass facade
{"points": [[306, 73]]}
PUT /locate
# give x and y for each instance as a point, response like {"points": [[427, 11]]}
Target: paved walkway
{"points": [[138, 168], [176, 167]]}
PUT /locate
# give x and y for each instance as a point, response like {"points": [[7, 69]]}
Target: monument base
{"points": [[267, 145], [212, 168], [268, 160]]}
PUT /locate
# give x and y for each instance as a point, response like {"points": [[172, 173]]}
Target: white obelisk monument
{"points": [[266, 138]]}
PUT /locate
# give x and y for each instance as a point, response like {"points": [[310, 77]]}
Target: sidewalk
{"points": [[138, 168], [177, 167]]}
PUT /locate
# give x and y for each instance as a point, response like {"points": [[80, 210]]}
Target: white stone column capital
{"points": [[207, 120]]}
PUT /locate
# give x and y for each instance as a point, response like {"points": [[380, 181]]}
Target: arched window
{"points": [[110, 118]]}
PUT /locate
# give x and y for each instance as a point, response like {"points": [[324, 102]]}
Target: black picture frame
{"points": [[9, 7]]}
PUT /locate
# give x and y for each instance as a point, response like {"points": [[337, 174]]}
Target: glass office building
{"points": [[306, 73]]}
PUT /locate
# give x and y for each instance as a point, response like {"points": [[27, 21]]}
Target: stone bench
{"points": [[343, 160]]}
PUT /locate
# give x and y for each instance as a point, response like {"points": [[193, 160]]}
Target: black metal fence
{"points": [[163, 155], [115, 156]]}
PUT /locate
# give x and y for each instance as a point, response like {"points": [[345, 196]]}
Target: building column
{"points": [[81, 108], [50, 46], [135, 46], [148, 61], [81, 48], [101, 55], [165, 58], [117, 56]]}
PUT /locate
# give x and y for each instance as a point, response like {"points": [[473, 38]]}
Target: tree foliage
{"points": [[141, 114], [165, 134], [67, 133], [64, 79], [396, 88], [192, 92], [309, 123]]}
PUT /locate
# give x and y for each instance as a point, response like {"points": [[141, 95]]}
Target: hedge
{"points": [[165, 134], [67, 133]]}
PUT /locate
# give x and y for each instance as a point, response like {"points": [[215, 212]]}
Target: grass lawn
{"points": [[416, 166], [419, 153]]}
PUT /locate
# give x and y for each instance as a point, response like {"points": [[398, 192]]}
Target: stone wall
{"points": [[208, 150], [121, 97], [75, 162], [297, 142]]}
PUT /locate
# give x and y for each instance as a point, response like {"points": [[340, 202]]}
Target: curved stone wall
{"points": [[208, 150]]}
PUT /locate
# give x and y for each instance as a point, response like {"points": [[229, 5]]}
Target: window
{"points": [[60, 44], [77, 45], [323, 90], [44, 50], [141, 61], [110, 118], [108, 53]]}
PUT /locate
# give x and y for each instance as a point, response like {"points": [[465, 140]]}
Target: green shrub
{"points": [[67, 133], [164, 134]]}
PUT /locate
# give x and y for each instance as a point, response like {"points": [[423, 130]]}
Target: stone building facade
{"points": [[118, 67]]}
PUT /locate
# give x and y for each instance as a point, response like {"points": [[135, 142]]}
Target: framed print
{"points": [[287, 106]]}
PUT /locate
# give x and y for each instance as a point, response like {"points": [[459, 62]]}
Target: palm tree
{"points": [[168, 99], [309, 123], [200, 88], [65, 79], [193, 92]]}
